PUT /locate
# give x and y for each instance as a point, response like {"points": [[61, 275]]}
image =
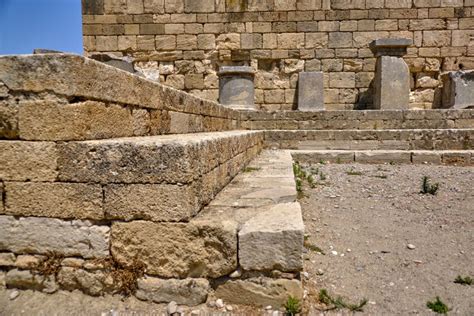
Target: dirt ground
{"points": [[366, 217]]}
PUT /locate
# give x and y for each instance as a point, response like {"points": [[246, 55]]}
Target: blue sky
{"points": [[29, 24]]}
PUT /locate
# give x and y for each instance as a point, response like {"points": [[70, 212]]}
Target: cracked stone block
{"points": [[458, 89]]}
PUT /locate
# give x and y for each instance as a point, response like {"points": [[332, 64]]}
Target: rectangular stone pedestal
{"points": [[392, 84], [311, 91]]}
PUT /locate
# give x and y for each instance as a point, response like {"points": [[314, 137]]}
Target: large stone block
{"points": [[28, 161], [157, 159], [392, 83], [46, 120], [184, 292], [458, 89], [197, 249], [311, 91], [273, 240], [61, 200], [45, 235], [260, 292], [155, 202]]}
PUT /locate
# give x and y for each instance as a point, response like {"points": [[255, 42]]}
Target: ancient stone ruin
{"points": [[107, 173]]}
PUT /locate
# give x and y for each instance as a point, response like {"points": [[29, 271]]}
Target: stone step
{"points": [[436, 157], [262, 202], [396, 139], [363, 120], [159, 178]]}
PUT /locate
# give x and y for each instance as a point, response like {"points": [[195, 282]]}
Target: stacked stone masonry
{"points": [[186, 41]]}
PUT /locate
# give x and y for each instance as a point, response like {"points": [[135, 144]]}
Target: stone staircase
{"points": [[422, 136], [104, 173]]}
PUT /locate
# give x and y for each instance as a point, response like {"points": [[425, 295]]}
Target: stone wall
{"points": [[188, 40]]}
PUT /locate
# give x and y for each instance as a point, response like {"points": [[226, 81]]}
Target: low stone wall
{"points": [[77, 215], [447, 157], [69, 97], [414, 139], [360, 120]]}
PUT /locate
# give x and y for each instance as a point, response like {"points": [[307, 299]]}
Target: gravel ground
{"points": [[365, 218]]}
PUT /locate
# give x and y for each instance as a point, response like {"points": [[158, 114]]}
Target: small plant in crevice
{"points": [[50, 266], [339, 303], [438, 306], [322, 176], [124, 276], [292, 306], [463, 280], [427, 187]]}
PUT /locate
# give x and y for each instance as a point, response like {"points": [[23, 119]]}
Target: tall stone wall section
{"points": [[188, 40]]}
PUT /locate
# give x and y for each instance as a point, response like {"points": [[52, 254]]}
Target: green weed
{"points": [[339, 303], [438, 306], [463, 280], [428, 188], [292, 306]]}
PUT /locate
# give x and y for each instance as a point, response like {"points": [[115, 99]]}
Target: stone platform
{"points": [[105, 173]]}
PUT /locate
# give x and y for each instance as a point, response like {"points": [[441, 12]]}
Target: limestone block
{"points": [[273, 240], [28, 281], [91, 282], [196, 249], [188, 292], [45, 120], [28, 161], [145, 160], [392, 83], [381, 157], [155, 202], [260, 292], [458, 89], [9, 120], [60, 200], [310, 91], [44, 235], [432, 157], [7, 259], [26, 262]]}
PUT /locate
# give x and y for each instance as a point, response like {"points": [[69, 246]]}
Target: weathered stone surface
{"points": [[60, 200], [156, 159], [27, 262], [77, 76], [44, 235], [26, 280], [189, 292], [7, 259], [196, 249], [273, 240], [91, 282], [155, 202], [260, 292], [8, 120], [236, 87], [28, 161], [46, 120], [392, 83], [313, 157], [311, 91], [381, 157], [458, 89]]}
